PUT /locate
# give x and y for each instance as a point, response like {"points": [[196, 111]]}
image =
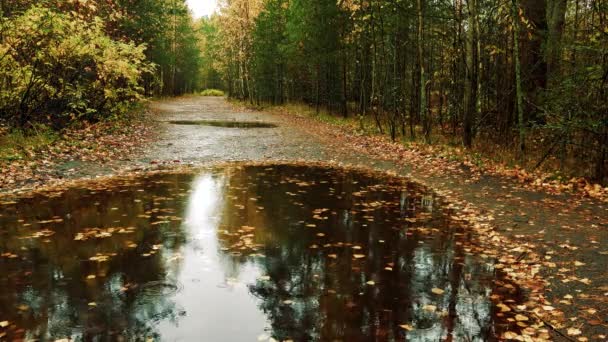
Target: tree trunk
{"points": [[533, 63], [422, 85], [556, 18], [518, 86], [471, 86]]}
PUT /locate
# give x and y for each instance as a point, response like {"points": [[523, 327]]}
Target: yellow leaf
{"points": [[430, 308], [4, 324], [406, 327], [519, 317], [437, 291], [574, 331]]}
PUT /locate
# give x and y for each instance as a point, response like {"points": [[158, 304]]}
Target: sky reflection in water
{"points": [[241, 254]]}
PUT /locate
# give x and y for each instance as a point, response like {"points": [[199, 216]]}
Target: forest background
{"points": [[517, 81]]}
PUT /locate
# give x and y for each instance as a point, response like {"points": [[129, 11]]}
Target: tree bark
{"points": [[422, 86], [518, 86], [471, 82], [556, 18]]}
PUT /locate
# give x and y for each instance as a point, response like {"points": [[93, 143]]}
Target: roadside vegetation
{"points": [[521, 82], [212, 92], [68, 68]]}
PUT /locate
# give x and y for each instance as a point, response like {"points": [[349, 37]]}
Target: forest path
{"points": [[570, 232], [202, 143]]}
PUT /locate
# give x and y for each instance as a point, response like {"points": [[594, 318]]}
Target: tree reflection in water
{"points": [[306, 253], [317, 290], [51, 289]]}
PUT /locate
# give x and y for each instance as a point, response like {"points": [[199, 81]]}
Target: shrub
{"points": [[57, 68], [212, 92]]}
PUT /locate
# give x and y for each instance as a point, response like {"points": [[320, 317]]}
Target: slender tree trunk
{"points": [[471, 85], [422, 86], [518, 87], [556, 19]]}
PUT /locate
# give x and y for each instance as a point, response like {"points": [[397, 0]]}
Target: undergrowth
{"points": [[212, 92]]}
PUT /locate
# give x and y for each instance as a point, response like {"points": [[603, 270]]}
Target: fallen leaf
{"points": [[406, 327], [437, 291], [430, 308]]}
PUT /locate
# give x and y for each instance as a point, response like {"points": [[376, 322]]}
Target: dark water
{"points": [[226, 124], [242, 254]]}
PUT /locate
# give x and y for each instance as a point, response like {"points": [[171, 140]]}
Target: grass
{"points": [[17, 144], [485, 152], [212, 92]]}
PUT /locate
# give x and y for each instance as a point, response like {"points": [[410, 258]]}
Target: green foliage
{"points": [[212, 92], [19, 144], [57, 68], [209, 45]]}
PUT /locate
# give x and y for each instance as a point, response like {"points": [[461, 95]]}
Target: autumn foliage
{"points": [[81, 60]]}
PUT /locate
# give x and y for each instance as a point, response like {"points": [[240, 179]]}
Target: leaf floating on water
{"points": [[371, 283], [288, 302], [429, 308], [358, 256], [574, 331], [4, 324], [264, 278], [578, 263], [548, 308], [92, 304], [437, 291], [101, 257], [159, 222], [332, 256], [503, 307], [91, 276], [406, 327]]}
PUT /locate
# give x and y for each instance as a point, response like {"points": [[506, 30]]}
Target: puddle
{"points": [[243, 253], [227, 124]]}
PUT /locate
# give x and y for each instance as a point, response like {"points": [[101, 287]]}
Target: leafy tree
{"points": [[445, 64], [58, 67]]}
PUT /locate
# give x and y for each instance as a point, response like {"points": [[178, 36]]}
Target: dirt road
{"points": [[571, 233], [568, 234]]}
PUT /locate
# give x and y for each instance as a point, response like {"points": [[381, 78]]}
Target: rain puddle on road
{"points": [[243, 253]]}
